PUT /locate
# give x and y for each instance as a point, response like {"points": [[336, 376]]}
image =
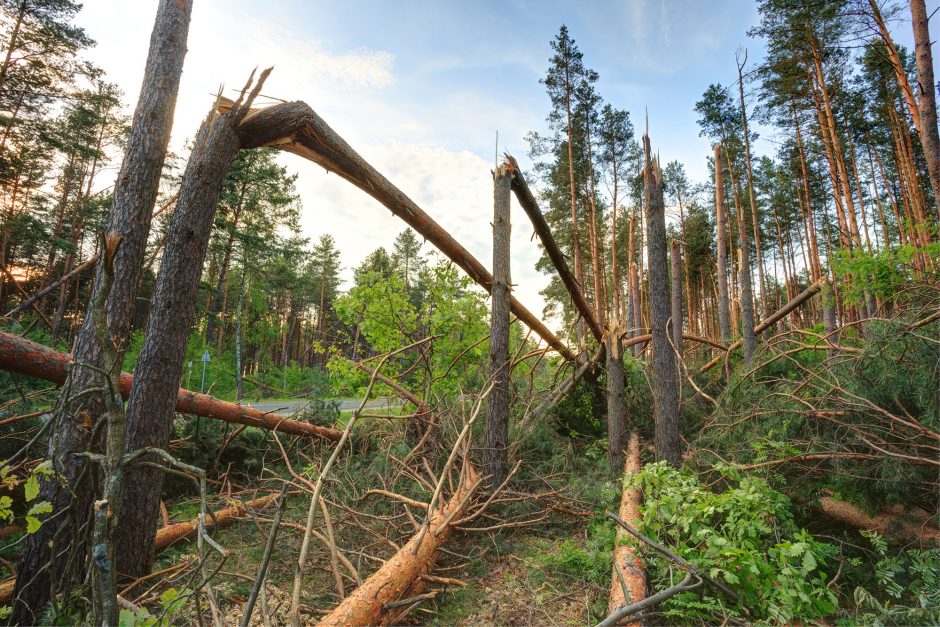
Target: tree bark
{"points": [[496, 439], [665, 374], [721, 226], [616, 403], [927, 97], [41, 566], [676, 294], [627, 561], [400, 577], [160, 365]]}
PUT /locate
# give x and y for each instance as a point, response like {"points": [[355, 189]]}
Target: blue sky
{"points": [[420, 89]]}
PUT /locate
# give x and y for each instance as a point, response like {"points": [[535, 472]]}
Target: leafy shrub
{"points": [[745, 537]]}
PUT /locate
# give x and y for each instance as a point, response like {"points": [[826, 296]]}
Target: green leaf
{"points": [[32, 524], [31, 489], [809, 562], [42, 507]]}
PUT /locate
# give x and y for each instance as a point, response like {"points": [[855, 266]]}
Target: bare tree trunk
{"points": [[496, 439], [616, 403], [721, 227], [676, 293], [160, 365], [745, 299], [927, 97], [41, 566], [665, 374]]}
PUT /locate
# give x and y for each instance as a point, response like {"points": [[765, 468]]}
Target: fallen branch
{"points": [[176, 532], [895, 523], [628, 582], [798, 300], [23, 356], [402, 576]]}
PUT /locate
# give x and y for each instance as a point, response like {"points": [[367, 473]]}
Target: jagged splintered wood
{"points": [[295, 127], [23, 356], [531, 208]]}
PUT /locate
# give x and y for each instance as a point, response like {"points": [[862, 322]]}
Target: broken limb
{"points": [[23, 356], [295, 127], [403, 575], [629, 610]]}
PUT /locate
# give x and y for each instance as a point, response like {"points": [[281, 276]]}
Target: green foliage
{"points": [[171, 602], [883, 273], [744, 536], [905, 590]]}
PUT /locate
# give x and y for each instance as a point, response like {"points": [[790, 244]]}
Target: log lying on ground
{"points": [[896, 522], [772, 319], [174, 533], [23, 356], [401, 576], [531, 207], [627, 562], [295, 127]]}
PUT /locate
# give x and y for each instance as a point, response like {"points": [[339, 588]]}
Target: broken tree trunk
{"points": [[23, 356], [171, 534], [400, 577], [295, 127], [675, 258], [895, 523], [616, 403], [496, 438], [627, 562], [721, 227], [665, 371], [531, 208], [771, 320]]}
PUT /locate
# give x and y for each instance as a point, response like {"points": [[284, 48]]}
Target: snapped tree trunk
{"points": [[496, 439], [665, 374], [41, 566], [616, 403], [160, 365]]}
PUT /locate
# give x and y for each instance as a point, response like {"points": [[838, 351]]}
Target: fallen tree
{"points": [[35, 298], [531, 207], [772, 319], [171, 534], [23, 356], [295, 127], [378, 601], [628, 576], [897, 523]]}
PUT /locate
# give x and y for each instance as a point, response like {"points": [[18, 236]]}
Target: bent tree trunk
{"points": [[41, 564], [665, 374], [160, 365], [496, 439]]}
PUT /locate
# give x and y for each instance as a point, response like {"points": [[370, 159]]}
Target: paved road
{"points": [[293, 406]]}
